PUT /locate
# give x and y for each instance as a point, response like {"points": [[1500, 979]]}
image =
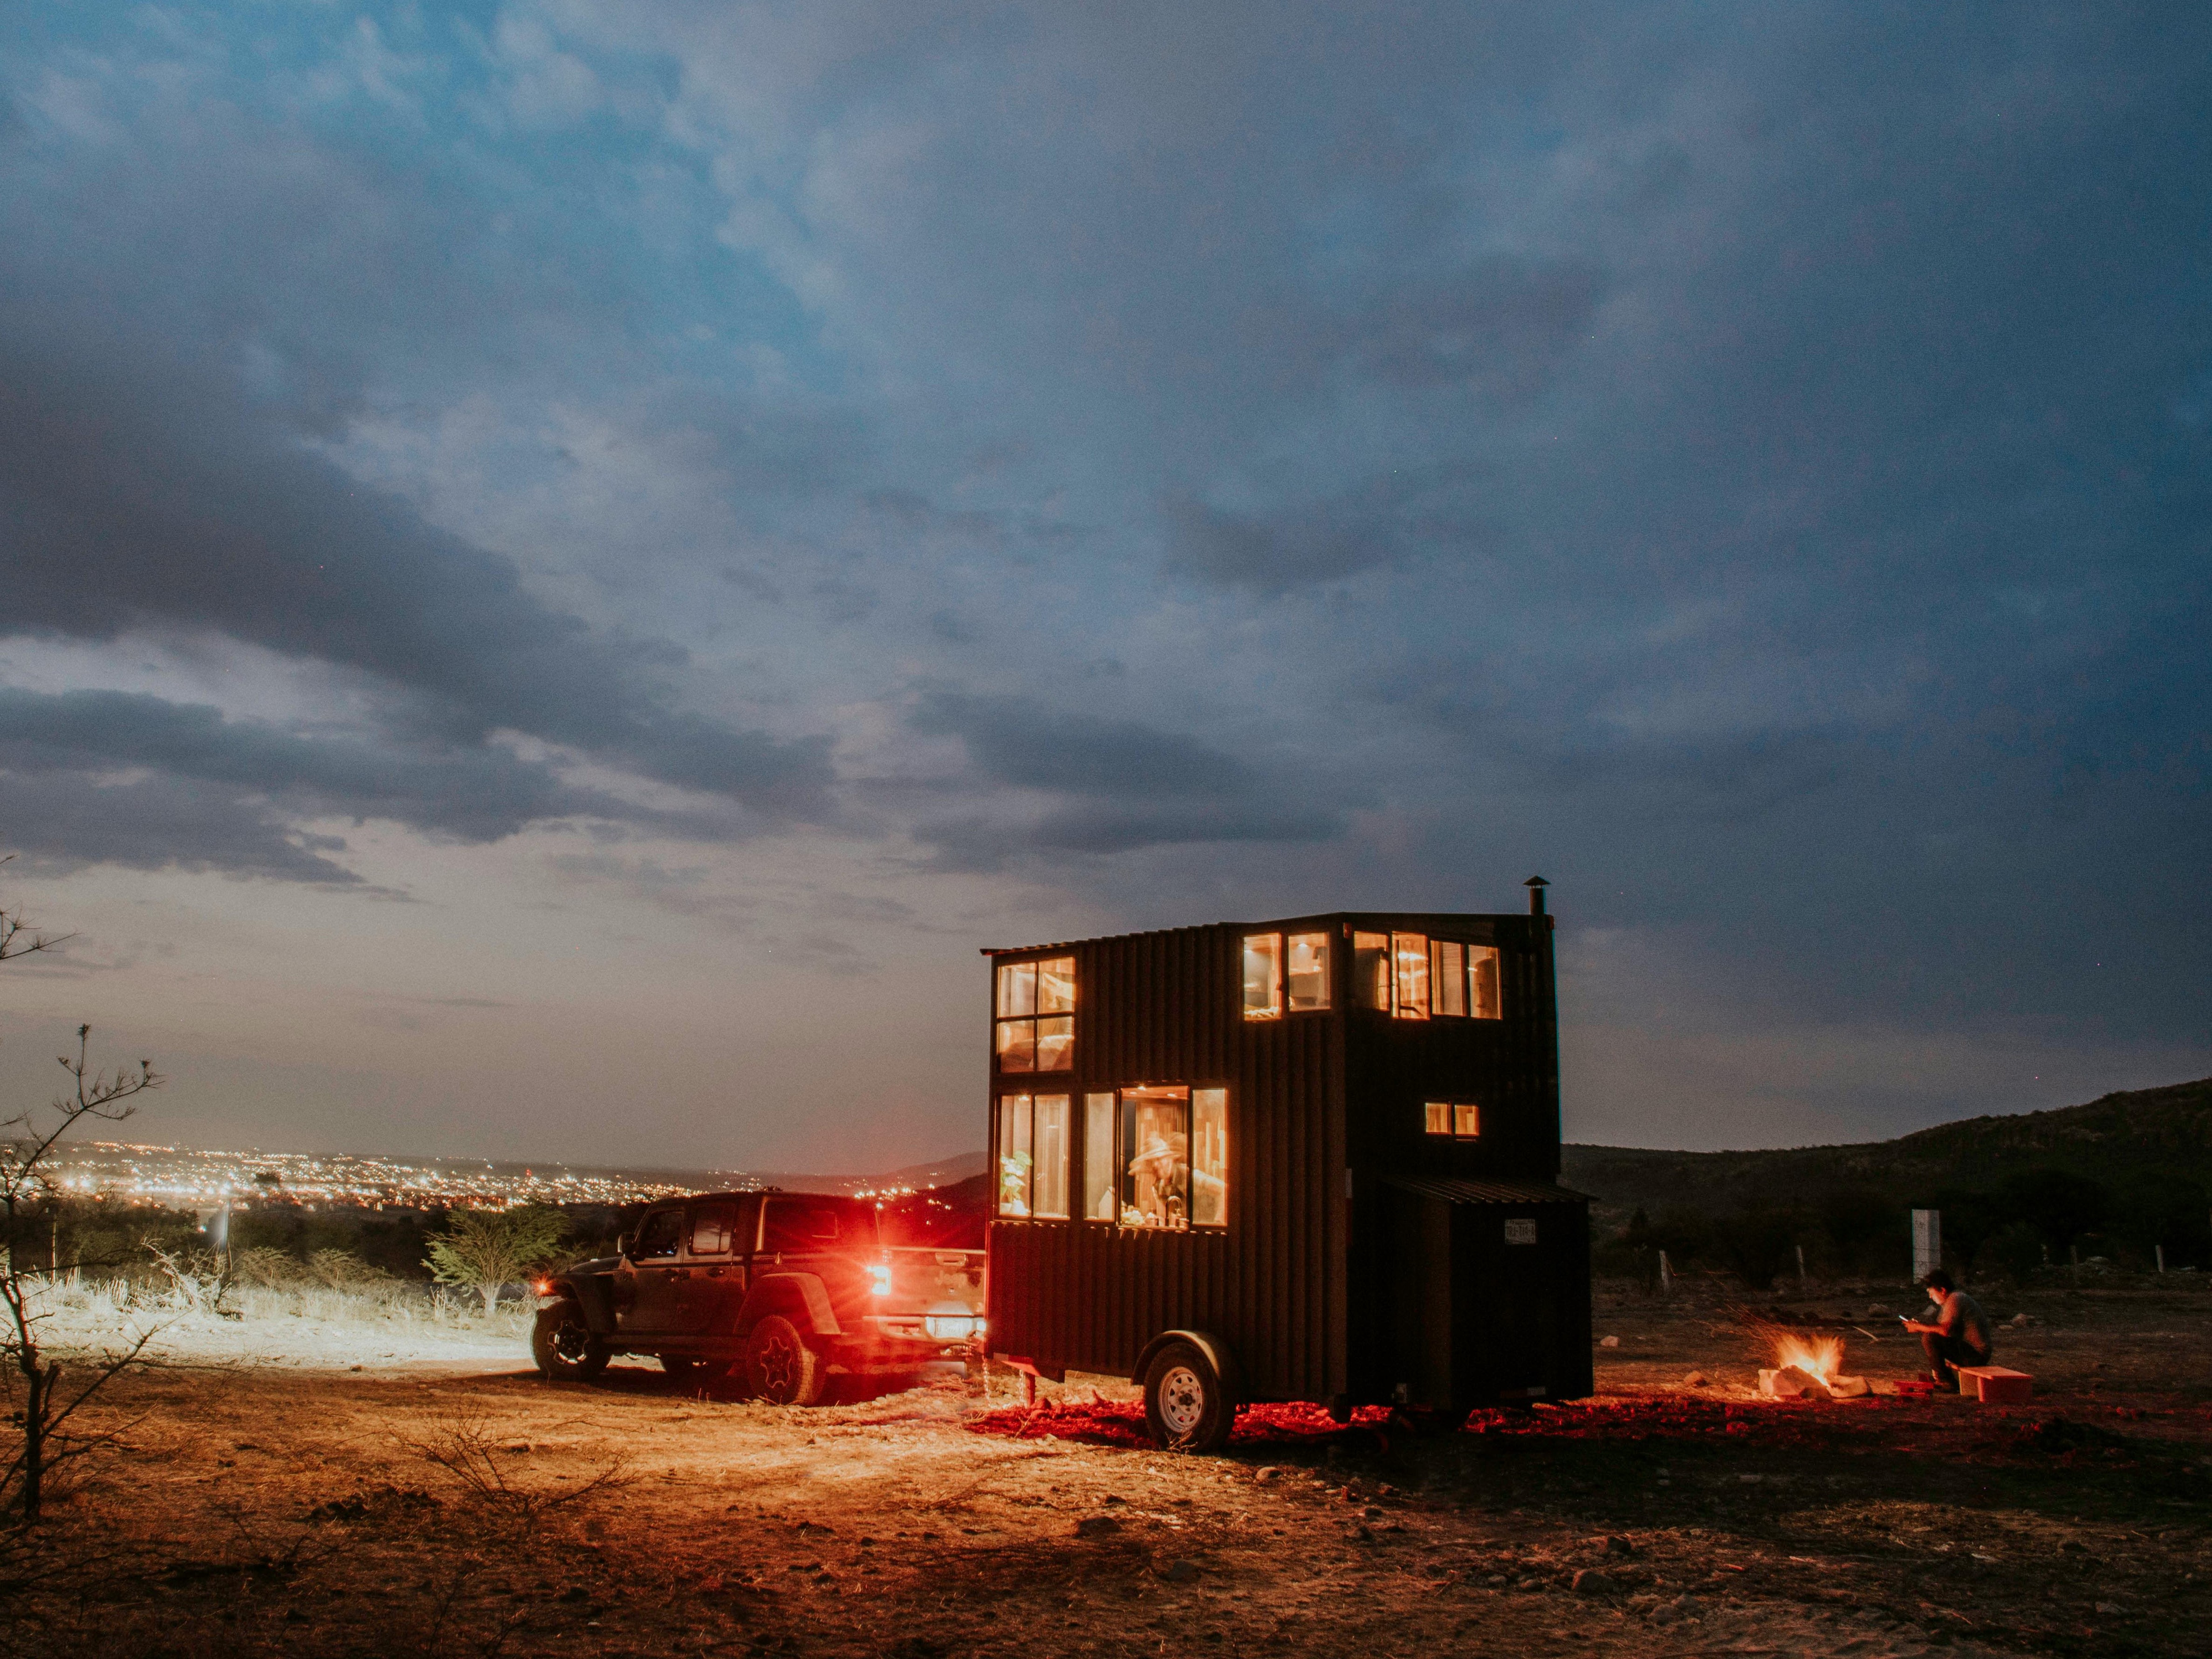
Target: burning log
{"points": [[1806, 1366]]}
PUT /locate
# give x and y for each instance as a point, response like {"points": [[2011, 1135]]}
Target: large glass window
{"points": [[1170, 1168], [1447, 978], [1035, 1015], [1482, 982], [711, 1229], [1101, 1191], [1307, 972], [1033, 1156], [1409, 954], [1263, 976]]}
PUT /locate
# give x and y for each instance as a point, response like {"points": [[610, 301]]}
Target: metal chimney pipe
{"points": [[1536, 884]]}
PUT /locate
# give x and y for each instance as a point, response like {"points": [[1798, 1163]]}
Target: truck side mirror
{"points": [[621, 1245]]}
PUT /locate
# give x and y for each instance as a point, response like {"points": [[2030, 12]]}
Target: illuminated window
{"points": [[1035, 1026], [1172, 1166], [1263, 976], [1409, 954], [1101, 1197], [1209, 1158], [1459, 1119], [1371, 971], [1447, 978], [1033, 1156], [1307, 972], [1482, 982]]}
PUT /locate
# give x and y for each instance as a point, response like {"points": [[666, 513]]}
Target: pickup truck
{"points": [[774, 1290]]}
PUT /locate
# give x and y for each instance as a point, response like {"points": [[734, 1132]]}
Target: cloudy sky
{"points": [[565, 566]]}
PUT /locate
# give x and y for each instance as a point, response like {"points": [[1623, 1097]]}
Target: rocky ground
{"points": [[449, 1505]]}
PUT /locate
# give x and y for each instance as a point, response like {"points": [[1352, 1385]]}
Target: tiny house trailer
{"points": [[1314, 1158]]}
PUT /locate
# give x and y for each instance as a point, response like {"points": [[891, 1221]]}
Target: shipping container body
{"points": [[1330, 1143]]}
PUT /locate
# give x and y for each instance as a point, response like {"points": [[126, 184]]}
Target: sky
{"points": [[563, 567]]}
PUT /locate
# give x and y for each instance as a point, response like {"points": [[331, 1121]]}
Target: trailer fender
{"points": [[1218, 1354], [799, 1297]]}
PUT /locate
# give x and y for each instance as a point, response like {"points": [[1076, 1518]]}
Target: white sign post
{"points": [[1927, 1242]]}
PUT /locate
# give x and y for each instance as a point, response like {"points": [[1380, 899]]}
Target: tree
{"points": [[27, 1146], [485, 1250]]}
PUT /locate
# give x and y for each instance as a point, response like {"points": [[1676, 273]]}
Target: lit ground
{"points": [[264, 1509]]}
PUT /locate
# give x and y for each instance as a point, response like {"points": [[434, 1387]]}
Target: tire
{"points": [[779, 1368], [1186, 1406], [562, 1344]]}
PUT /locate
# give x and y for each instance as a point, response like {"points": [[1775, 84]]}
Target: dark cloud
{"points": [[1122, 785]]}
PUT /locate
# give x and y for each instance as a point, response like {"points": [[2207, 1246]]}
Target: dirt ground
{"points": [[448, 1506]]}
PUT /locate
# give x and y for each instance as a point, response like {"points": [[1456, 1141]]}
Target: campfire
{"points": [[1807, 1368], [1808, 1363]]}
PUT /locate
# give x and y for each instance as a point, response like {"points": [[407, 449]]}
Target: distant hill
{"points": [[2121, 1140]]}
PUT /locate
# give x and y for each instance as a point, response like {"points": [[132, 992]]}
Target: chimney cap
{"points": [[1535, 881]]}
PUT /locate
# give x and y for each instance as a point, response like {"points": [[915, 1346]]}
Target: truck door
{"points": [[654, 1273], [715, 1281]]}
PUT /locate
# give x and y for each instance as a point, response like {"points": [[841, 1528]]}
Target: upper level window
{"points": [[1465, 979], [1033, 1156], [1034, 1023], [1284, 971], [1413, 976]]}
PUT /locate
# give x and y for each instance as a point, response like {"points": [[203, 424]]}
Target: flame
{"points": [[1821, 1356]]}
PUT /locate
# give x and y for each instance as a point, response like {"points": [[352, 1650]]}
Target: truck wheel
{"points": [[564, 1346], [1185, 1407], [779, 1368]]}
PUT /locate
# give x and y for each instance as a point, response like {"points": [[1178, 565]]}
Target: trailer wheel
{"points": [[1186, 1406], [779, 1368], [562, 1344]]}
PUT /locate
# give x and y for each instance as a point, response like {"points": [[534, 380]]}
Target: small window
{"points": [[800, 1225], [660, 1237], [710, 1230], [1447, 978], [1035, 1022], [1099, 1199], [1371, 971], [1033, 1156], [1263, 976], [1459, 1119], [1410, 955], [1307, 972]]}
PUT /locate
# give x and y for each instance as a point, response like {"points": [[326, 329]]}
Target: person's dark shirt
{"points": [[1961, 1316]]}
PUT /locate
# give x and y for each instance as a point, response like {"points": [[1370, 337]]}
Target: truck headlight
{"points": [[951, 1327]]}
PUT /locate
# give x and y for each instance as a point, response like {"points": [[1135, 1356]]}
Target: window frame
{"points": [[1455, 1110], [1120, 1180], [1281, 1007], [1035, 1018], [1396, 961], [1030, 1098]]}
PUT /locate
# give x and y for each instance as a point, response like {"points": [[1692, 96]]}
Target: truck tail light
{"points": [[880, 1276]]}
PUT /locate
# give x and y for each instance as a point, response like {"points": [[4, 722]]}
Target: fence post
{"points": [[1666, 1276]]}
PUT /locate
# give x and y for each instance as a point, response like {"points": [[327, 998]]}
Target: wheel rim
{"points": [[1182, 1401], [778, 1369], [570, 1341]]}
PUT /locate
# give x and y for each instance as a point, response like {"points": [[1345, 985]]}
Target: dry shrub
{"points": [[478, 1462]]}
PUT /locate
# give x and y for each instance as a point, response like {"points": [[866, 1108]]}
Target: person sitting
{"points": [[1958, 1335]]}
